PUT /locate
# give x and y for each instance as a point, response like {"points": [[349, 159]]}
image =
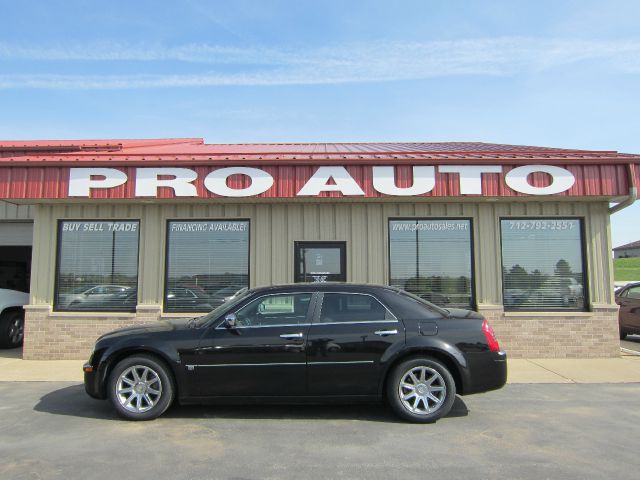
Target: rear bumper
{"points": [[488, 371]]}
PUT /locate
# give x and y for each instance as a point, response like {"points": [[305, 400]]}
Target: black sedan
{"points": [[302, 343]]}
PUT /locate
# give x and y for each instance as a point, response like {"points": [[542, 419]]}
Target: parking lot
{"points": [[53, 430]]}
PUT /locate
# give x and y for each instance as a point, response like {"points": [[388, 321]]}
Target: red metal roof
{"points": [[195, 151], [39, 169]]}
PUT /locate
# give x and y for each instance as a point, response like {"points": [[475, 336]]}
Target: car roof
{"points": [[327, 286]]}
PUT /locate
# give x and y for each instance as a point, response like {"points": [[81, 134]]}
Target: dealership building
{"points": [[110, 233]]}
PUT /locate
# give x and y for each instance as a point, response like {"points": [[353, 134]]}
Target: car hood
{"points": [[152, 327], [462, 313]]}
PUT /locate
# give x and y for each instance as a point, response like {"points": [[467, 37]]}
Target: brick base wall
{"points": [[556, 334], [70, 336]]}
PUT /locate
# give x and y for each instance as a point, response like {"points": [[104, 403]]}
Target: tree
{"points": [[563, 269]]}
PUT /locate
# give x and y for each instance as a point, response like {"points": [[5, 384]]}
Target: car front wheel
{"points": [[140, 388], [421, 390]]}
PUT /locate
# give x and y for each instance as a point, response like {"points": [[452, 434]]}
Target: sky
{"points": [[539, 72]]}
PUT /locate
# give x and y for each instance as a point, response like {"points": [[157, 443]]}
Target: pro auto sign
{"points": [[362, 181]]}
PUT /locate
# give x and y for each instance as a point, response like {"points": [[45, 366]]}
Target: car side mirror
{"points": [[230, 321]]}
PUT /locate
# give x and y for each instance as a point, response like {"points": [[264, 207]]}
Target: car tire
{"points": [[623, 333], [432, 386], [11, 329], [141, 387]]}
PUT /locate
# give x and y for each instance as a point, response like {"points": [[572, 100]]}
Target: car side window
{"points": [[275, 310], [633, 292], [352, 307]]}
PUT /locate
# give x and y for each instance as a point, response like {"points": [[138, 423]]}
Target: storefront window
{"points": [[97, 266], [433, 259], [207, 264], [542, 264]]}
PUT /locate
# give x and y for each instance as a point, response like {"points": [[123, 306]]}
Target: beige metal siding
{"points": [[364, 226], [10, 211]]}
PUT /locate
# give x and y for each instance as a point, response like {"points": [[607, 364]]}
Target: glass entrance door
{"points": [[320, 262]]}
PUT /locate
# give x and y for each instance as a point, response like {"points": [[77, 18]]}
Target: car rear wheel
{"points": [[623, 333], [11, 329], [421, 390], [140, 388]]}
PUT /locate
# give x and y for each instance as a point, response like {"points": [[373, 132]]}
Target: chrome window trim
{"points": [[356, 323], [359, 322], [220, 327]]}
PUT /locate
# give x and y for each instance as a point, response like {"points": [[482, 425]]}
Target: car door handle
{"points": [[291, 335], [384, 333]]}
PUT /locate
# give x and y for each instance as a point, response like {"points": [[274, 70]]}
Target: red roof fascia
{"points": [[186, 160]]}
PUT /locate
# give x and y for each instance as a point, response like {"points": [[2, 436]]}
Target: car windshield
{"points": [[229, 305]]}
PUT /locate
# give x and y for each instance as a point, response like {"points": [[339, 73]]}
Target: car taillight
{"points": [[490, 335]]}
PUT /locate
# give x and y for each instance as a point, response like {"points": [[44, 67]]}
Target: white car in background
{"points": [[12, 317], [93, 294]]}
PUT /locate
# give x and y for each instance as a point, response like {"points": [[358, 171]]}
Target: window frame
{"points": [[168, 221], [56, 279], [583, 257], [472, 244], [298, 245]]}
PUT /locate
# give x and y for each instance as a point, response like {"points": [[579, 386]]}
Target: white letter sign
{"points": [[147, 181], [562, 179], [216, 182], [345, 183], [384, 181], [81, 180], [470, 176]]}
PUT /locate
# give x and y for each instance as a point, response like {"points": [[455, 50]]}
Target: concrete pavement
{"points": [[54, 431], [625, 369]]}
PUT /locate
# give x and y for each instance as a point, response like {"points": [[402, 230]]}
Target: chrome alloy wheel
{"points": [[422, 390], [16, 330], [138, 389]]}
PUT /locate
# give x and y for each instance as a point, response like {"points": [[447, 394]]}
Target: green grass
{"points": [[626, 269]]}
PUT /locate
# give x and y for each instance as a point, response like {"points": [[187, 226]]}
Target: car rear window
{"points": [[352, 307]]}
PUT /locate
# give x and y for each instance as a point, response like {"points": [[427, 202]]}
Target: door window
{"points": [[320, 262], [352, 307], [275, 310]]}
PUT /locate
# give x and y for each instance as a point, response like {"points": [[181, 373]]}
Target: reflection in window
{"points": [[432, 259], [542, 266], [207, 264], [97, 266], [351, 307], [274, 310]]}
